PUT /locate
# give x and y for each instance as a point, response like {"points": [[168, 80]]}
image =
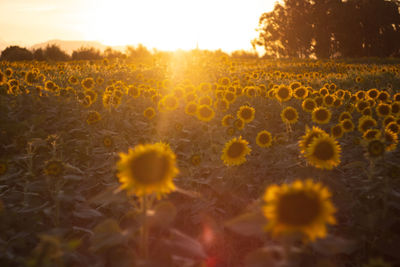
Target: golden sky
{"points": [[163, 24]]}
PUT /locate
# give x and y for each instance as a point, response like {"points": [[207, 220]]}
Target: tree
{"points": [[16, 53], [86, 54], [55, 53]]}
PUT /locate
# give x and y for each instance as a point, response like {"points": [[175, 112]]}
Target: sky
{"points": [[163, 24]]}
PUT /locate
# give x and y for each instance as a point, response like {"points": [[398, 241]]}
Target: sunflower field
{"points": [[199, 159]]}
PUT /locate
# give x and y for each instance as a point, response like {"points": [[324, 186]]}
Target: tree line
{"points": [[55, 53], [331, 28]]}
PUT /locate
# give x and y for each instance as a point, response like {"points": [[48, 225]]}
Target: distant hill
{"points": [[70, 46]]}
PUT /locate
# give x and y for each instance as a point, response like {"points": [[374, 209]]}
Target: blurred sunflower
{"points": [[264, 139], [54, 168], [195, 159], [239, 124], [375, 148], [394, 127], [283, 93], [246, 113], [308, 104], [348, 125], [191, 108], [383, 110], [170, 102], [88, 83], [147, 169], [371, 134], [300, 92], [345, 115], [321, 115], [323, 152], [93, 117], [108, 141], [227, 120], [365, 123], [73, 80], [337, 131], [301, 207], [235, 151], [205, 113], [309, 136], [391, 139], [149, 113], [289, 115]]}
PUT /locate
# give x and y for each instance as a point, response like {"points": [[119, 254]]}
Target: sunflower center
{"points": [[384, 110], [324, 151], [264, 138], [149, 168], [310, 105], [290, 114], [235, 150], [298, 209], [367, 125], [246, 113], [283, 93], [321, 115]]}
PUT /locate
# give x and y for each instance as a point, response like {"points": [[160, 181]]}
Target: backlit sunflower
{"points": [[371, 134], [205, 113], [321, 115], [323, 152], [283, 93], [365, 123], [289, 115], [394, 127], [191, 108], [170, 102], [147, 169], [93, 117], [264, 139], [345, 115], [88, 83], [383, 110], [246, 113], [308, 104], [54, 168], [149, 113], [375, 148], [235, 151], [300, 92], [391, 139], [227, 120], [299, 207], [239, 124], [309, 136], [337, 131], [348, 125]]}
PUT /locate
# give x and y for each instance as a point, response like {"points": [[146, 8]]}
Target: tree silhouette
{"points": [[331, 28], [16, 53]]}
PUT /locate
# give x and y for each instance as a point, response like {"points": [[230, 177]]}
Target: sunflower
{"points": [[147, 169], [345, 115], [375, 148], [108, 141], [195, 159], [88, 83], [328, 100], [230, 131], [323, 91], [301, 207], [383, 110], [300, 92], [394, 127], [133, 91], [395, 108], [191, 108], [170, 102], [239, 124], [308, 104], [205, 100], [93, 117], [205, 113], [235, 151], [149, 113], [323, 152], [309, 136], [391, 139], [337, 131], [289, 115], [348, 125], [371, 134], [365, 123], [73, 80], [283, 93], [321, 115], [388, 119], [373, 93], [264, 139], [221, 105], [227, 120], [246, 113], [54, 168], [230, 96]]}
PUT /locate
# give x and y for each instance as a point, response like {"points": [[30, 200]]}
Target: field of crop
{"points": [[198, 159]]}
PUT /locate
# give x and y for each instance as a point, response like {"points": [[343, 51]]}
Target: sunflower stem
{"points": [[145, 229]]}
